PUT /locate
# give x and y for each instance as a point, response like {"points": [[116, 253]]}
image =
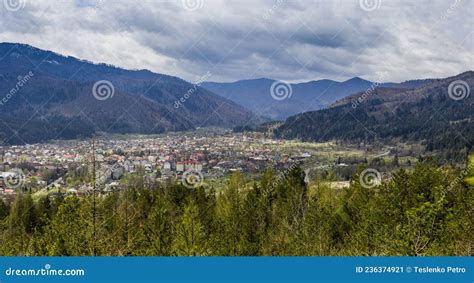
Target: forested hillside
{"points": [[427, 211], [49, 96], [427, 114]]}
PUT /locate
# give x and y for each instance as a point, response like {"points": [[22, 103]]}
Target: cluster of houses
{"points": [[160, 158]]}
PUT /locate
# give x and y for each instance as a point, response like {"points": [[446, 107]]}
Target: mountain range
{"points": [[437, 112], [46, 96], [256, 94]]}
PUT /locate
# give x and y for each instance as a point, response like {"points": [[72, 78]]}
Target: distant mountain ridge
{"points": [[438, 112], [58, 101], [44, 95], [255, 94]]}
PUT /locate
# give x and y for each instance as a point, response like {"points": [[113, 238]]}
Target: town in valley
{"points": [[202, 157]]}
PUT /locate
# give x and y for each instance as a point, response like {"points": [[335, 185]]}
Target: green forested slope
{"points": [[427, 211], [426, 114]]}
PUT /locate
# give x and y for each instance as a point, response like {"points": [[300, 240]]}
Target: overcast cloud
{"points": [[288, 40]]}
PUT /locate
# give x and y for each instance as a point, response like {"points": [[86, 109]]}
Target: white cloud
{"points": [[290, 40]]}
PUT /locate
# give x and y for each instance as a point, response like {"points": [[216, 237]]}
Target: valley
{"points": [[100, 160], [211, 155]]}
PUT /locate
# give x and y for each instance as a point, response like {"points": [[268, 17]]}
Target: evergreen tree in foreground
{"points": [[425, 211]]}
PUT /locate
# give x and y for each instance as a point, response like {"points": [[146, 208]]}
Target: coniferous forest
{"points": [[424, 211]]}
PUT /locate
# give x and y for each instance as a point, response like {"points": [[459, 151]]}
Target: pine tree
{"points": [[159, 228], [190, 238], [69, 231], [230, 213], [20, 224]]}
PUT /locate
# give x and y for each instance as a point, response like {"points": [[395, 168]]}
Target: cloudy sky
{"points": [[280, 39]]}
